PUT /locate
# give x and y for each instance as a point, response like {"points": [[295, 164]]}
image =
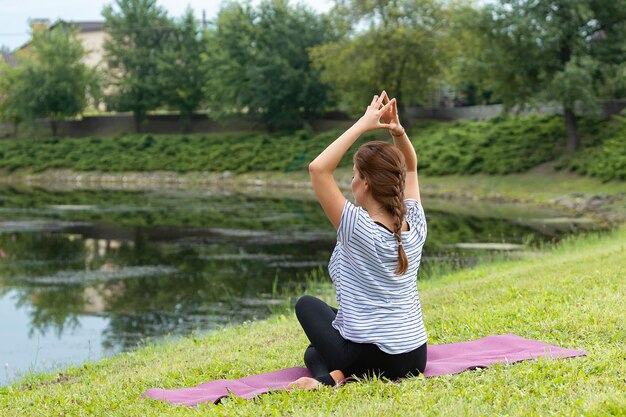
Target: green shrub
{"points": [[604, 154], [501, 145]]}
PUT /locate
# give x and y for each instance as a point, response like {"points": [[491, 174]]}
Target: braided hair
{"points": [[383, 166]]}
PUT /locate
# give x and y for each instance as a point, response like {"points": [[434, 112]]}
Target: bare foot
{"points": [[305, 383]]}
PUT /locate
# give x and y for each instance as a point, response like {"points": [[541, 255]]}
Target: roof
{"points": [[86, 26], [91, 26]]}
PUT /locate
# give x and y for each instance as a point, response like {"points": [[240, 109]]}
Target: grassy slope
{"points": [[501, 145], [571, 296]]}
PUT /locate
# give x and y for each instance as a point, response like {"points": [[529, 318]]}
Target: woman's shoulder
{"points": [[411, 202], [413, 207], [415, 215], [353, 222]]}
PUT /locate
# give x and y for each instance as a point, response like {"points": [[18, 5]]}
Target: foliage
{"points": [[497, 146], [500, 145], [13, 106], [568, 296], [51, 79], [260, 62], [464, 72], [561, 51], [181, 70], [220, 152], [137, 31], [397, 45], [606, 159], [228, 47]]}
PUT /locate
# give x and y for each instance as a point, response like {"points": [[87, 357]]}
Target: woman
{"points": [[378, 328]]}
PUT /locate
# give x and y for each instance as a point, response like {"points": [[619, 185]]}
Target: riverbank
{"points": [[569, 296], [543, 186], [498, 146]]}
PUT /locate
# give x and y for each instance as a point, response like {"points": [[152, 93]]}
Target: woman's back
{"points": [[376, 305]]}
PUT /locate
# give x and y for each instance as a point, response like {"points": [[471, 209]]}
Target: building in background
{"points": [[91, 34]]}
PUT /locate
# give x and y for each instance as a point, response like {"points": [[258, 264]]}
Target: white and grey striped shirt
{"points": [[376, 305]]}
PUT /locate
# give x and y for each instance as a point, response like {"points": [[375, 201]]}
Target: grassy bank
{"points": [[569, 296], [501, 145]]}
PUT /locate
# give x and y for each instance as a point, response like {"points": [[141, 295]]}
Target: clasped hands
{"points": [[382, 113]]}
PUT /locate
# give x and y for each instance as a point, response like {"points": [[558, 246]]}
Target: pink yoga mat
{"points": [[451, 358]]}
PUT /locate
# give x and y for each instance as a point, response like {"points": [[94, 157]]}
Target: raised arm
{"points": [[321, 168], [401, 140]]}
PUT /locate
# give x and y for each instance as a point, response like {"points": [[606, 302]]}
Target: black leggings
{"points": [[330, 351]]}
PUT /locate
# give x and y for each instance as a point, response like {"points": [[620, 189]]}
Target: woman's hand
{"points": [[375, 112], [391, 118]]}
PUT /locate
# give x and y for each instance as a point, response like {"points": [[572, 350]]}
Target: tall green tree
{"points": [[50, 81], [465, 46], [397, 45], [12, 103], [564, 51], [261, 62], [230, 47], [183, 68], [137, 31]]}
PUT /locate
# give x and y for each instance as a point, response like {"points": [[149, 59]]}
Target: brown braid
{"points": [[384, 168], [398, 211]]}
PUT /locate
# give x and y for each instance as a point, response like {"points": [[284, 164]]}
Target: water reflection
{"points": [[141, 265]]}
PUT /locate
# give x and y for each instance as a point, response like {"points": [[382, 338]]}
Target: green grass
{"points": [[571, 295]]}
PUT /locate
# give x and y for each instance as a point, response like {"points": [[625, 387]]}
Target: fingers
{"points": [[385, 97], [388, 105], [394, 108], [379, 102]]}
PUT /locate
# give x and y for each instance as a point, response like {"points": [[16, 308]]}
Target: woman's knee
{"points": [[305, 304], [311, 357]]}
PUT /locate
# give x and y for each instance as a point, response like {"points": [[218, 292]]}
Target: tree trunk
{"points": [[573, 139], [406, 124], [400, 97], [185, 119], [137, 116], [54, 126], [16, 128]]}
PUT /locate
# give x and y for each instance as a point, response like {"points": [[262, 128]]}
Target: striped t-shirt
{"points": [[376, 305]]}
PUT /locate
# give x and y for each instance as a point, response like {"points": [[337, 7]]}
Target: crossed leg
{"points": [[329, 354]]}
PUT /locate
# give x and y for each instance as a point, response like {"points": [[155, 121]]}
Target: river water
{"points": [[85, 274]]}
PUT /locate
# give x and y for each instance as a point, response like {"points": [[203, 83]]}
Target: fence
{"points": [[105, 125]]}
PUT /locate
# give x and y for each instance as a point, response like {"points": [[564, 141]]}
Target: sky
{"points": [[14, 14]]}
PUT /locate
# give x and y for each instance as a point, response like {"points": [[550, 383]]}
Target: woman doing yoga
{"points": [[378, 327]]}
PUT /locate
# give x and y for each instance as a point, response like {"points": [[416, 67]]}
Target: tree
{"points": [[465, 46], [260, 62], [397, 45], [230, 47], [137, 31], [12, 104], [182, 67], [564, 51], [50, 79]]}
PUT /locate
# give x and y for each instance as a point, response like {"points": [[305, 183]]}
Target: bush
{"points": [[501, 145], [604, 156]]}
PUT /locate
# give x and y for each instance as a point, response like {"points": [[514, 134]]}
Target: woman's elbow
{"points": [[314, 168]]}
